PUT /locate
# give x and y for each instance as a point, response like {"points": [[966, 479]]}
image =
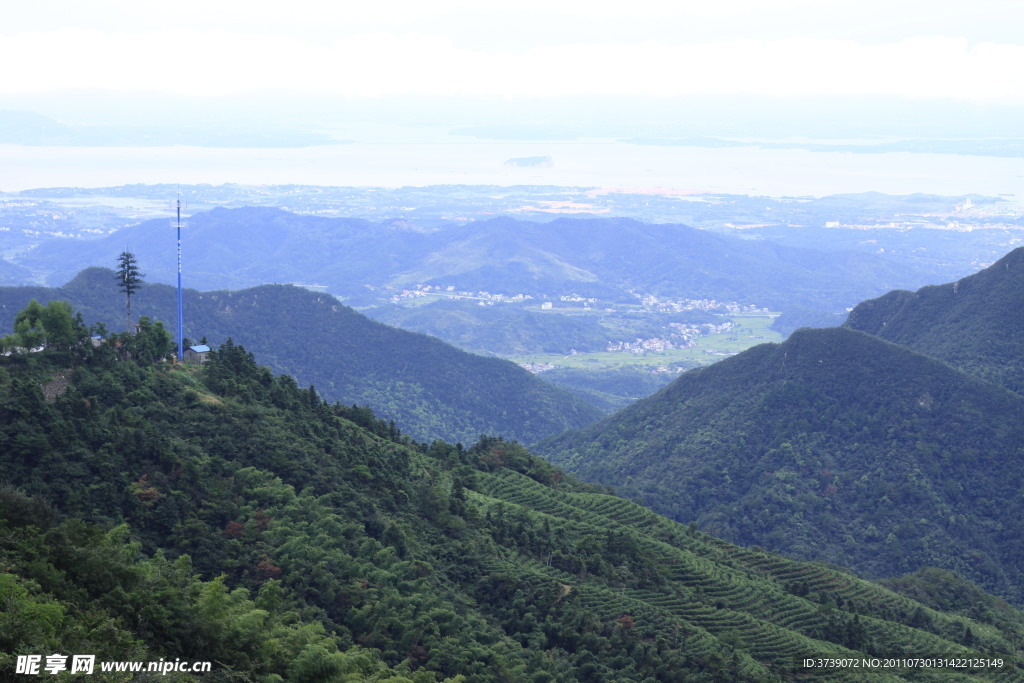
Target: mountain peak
{"points": [[973, 324]]}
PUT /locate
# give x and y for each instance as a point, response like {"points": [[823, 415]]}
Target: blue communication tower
{"points": [[181, 335]]}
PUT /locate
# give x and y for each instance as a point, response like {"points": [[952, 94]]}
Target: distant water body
{"points": [[744, 170]]}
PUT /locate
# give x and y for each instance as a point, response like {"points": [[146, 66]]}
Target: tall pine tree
{"points": [[129, 279]]}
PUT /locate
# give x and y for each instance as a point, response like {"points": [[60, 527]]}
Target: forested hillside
{"points": [[432, 389], [833, 446], [974, 324], [224, 514]]}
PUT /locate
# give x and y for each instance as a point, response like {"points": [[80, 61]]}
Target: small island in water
{"points": [[536, 162]]}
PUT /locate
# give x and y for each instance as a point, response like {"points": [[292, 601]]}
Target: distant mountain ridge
{"points": [[974, 324], [364, 262], [431, 389], [30, 128], [833, 446]]}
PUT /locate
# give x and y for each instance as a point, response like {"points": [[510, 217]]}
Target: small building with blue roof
{"points": [[197, 354]]}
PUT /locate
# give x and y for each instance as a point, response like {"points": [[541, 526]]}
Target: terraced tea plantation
{"points": [[762, 613]]}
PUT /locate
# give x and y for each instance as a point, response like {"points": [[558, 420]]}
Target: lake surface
{"points": [[747, 170]]}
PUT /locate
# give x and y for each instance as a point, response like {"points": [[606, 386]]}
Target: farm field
{"points": [[747, 331]]}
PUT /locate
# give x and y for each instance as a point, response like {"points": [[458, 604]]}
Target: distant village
{"points": [[680, 335], [647, 302]]}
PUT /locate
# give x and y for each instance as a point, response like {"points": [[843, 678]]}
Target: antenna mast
{"points": [[177, 224]]}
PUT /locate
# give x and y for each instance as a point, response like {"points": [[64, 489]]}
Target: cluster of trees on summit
{"points": [[36, 326], [56, 326]]}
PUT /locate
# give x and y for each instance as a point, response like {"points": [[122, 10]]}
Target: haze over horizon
{"points": [[527, 75]]}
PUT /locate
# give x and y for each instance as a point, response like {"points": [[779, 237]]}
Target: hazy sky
{"points": [[966, 51], [577, 80]]}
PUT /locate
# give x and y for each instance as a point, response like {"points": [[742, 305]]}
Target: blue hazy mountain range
{"points": [[364, 262]]}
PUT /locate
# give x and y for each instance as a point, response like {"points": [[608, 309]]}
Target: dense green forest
{"points": [[974, 324], [433, 390], [833, 446], [222, 513]]}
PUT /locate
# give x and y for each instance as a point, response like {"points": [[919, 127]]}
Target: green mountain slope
{"points": [[223, 514], [432, 389], [11, 274], [832, 446], [974, 324]]}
